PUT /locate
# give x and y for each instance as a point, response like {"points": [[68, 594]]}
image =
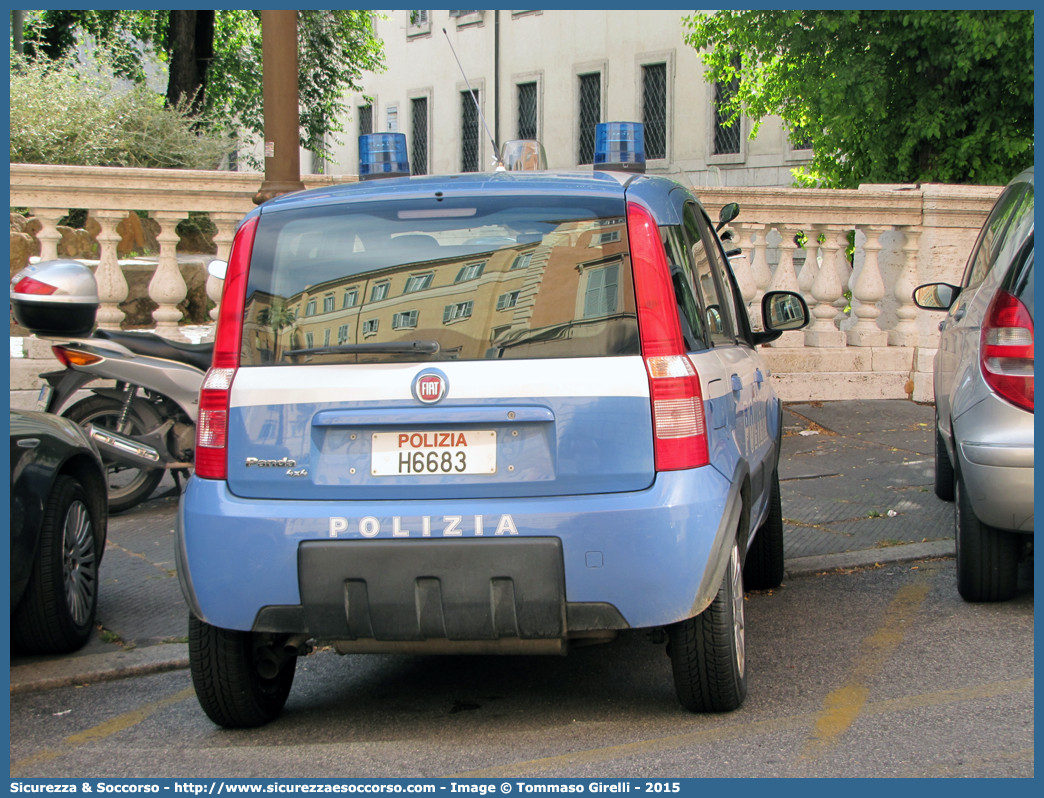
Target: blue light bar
{"points": [[383, 155], [620, 146]]}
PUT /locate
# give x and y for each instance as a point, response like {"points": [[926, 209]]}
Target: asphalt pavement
{"points": [[856, 487]]}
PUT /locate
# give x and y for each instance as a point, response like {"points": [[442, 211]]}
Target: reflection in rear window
{"points": [[419, 281]]}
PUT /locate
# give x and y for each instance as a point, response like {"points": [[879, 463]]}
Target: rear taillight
{"points": [[74, 357], [1006, 350], [27, 285], [212, 424], [679, 432]]}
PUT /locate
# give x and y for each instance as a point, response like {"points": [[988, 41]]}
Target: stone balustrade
{"points": [[872, 343]]}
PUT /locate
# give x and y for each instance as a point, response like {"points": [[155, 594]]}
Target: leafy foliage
{"points": [[335, 48], [885, 96], [62, 115]]}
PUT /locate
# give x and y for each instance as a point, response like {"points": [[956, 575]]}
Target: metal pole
{"points": [[279, 87], [496, 75]]}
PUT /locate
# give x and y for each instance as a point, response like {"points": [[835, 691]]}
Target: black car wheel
{"points": [[763, 566], [57, 610], [709, 652], [987, 558], [944, 476], [227, 673]]}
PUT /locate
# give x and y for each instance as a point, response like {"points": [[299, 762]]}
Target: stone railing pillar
{"points": [[226, 233], [867, 290], [905, 331], [810, 268], [167, 287], [826, 290], [758, 260], [785, 279], [112, 285], [48, 236]]}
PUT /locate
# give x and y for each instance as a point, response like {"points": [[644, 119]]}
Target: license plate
{"points": [[444, 453], [44, 397]]}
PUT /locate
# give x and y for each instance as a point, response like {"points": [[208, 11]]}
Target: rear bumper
{"points": [[606, 561]]}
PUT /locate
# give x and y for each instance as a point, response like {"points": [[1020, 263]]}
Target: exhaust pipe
{"points": [[123, 450]]}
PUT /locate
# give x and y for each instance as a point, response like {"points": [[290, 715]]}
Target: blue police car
{"points": [[493, 413]]}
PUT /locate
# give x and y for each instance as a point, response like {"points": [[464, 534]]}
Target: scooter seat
{"points": [[151, 345]]}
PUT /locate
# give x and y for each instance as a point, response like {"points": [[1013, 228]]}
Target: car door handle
{"points": [[737, 383], [28, 443]]}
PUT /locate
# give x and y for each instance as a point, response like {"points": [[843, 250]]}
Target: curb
{"points": [[91, 668], [808, 566]]}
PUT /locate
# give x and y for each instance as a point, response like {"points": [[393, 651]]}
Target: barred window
{"points": [[365, 120], [351, 299], [419, 156], [379, 292], [328, 303], [726, 135], [589, 114], [800, 139], [470, 272], [508, 300], [369, 327], [406, 320], [527, 110], [418, 282], [460, 310], [310, 308], [469, 131], [654, 109]]}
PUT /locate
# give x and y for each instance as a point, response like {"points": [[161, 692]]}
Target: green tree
{"points": [[214, 60], [884, 96]]}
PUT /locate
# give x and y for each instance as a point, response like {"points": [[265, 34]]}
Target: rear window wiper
{"points": [[407, 347]]}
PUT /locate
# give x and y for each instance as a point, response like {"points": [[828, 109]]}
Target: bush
{"points": [[62, 115]]}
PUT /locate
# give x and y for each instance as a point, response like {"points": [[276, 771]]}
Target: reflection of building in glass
{"points": [[501, 303]]}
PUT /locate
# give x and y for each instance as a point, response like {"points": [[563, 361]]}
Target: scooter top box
{"points": [[55, 297]]}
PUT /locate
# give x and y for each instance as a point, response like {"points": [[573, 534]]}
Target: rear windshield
{"points": [[424, 281]]}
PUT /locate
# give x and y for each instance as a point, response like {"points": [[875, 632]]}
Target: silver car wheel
{"points": [[79, 563], [738, 623]]}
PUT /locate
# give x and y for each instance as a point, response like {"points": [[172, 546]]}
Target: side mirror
{"points": [[727, 214], [217, 268], [781, 311], [935, 296]]}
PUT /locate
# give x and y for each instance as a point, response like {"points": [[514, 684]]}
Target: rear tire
{"points": [[57, 611], [763, 566], [944, 476], [229, 686], [127, 487], [708, 652], [987, 558]]}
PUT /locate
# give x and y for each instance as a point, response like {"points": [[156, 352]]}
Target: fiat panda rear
{"points": [[464, 415]]}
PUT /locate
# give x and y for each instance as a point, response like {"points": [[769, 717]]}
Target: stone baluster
{"points": [[785, 279], [826, 290], [226, 232], [745, 281], [867, 290], [759, 267], [112, 285], [844, 271], [810, 268], [905, 332], [167, 287], [48, 236]]}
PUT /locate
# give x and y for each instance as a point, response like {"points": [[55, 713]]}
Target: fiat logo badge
{"points": [[430, 386]]}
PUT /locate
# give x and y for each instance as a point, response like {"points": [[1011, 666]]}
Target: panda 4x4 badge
{"points": [[430, 386]]}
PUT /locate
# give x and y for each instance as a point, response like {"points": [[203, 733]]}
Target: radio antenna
{"points": [[471, 91]]}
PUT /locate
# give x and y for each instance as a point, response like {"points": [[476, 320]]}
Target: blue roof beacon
{"points": [[620, 147], [383, 155]]}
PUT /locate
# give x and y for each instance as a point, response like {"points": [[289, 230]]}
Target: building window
{"points": [[589, 114], [328, 303], [420, 23], [326, 337], [508, 300], [419, 154], [470, 272], [726, 135], [418, 282], [654, 110], [527, 110], [610, 237], [469, 131], [522, 261], [309, 340], [370, 327], [461, 310], [392, 115], [365, 120], [310, 308], [342, 333], [379, 292], [600, 295], [404, 321], [351, 299]]}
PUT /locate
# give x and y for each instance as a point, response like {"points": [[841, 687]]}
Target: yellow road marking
{"points": [[843, 705], [101, 731], [721, 733]]}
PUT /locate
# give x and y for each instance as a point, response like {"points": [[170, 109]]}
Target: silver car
{"points": [[984, 398]]}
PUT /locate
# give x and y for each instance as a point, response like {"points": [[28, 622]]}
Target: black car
{"points": [[58, 524]]}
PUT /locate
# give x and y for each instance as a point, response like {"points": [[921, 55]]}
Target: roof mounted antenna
{"points": [[471, 91]]}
